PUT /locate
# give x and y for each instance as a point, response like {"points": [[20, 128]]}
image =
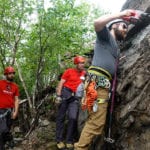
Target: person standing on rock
{"points": [[9, 105], [69, 103], [109, 29]]}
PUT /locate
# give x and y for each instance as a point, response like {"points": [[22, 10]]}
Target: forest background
{"points": [[40, 44]]}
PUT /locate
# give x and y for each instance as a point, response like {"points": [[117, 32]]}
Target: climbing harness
{"points": [[94, 80]]}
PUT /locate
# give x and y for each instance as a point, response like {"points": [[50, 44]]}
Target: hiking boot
{"points": [[75, 145], [60, 145], [11, 144], [69, 146]]}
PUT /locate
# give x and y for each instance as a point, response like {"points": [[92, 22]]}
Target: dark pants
{"points": [[1, 142], [71, 107], [5, 125]]}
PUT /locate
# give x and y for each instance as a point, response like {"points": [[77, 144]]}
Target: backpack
{"points": [[80, 90]]}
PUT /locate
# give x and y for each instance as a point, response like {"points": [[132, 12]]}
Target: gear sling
{"points": [[97, 77]]}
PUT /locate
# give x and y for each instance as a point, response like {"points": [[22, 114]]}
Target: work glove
{"points": [[137, 16], [58, 99]]}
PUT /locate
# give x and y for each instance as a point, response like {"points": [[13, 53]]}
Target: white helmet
{"points": [[115, 21]]}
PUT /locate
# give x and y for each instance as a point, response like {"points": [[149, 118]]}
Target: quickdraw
{"points": [[103, 82], [100, 81]]}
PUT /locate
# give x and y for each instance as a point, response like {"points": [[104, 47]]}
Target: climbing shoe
{"points": [[60, 145], [69, 146]]}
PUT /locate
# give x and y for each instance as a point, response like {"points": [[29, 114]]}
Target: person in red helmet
{"points": [[66, 93], [9, 105], [79, 59]]}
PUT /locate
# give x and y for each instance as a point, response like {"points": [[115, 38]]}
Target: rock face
{"points": [[131, 117], [132, 111], [136, 4]]}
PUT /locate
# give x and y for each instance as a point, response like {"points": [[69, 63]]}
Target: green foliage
{"points": [[43, 45]]}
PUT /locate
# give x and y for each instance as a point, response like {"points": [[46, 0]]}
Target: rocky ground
{"points": [[42, 138]]}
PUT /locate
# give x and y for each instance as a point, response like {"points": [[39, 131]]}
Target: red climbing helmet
{"points": [[9, 70], [79, 59]]}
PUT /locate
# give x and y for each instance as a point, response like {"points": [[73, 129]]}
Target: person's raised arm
{"points": [[103, 20]]}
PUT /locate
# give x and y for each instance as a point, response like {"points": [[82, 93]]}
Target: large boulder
{"points": [[132, 114]]}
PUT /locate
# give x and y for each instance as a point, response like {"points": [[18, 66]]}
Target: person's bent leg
{"points": [[94, 126]]}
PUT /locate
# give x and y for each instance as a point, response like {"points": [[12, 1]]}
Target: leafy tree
{"points": [[41, 43], [59, 34]]}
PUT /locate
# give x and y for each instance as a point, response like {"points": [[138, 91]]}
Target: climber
{"points": [[109, 29], [68, 95]]}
